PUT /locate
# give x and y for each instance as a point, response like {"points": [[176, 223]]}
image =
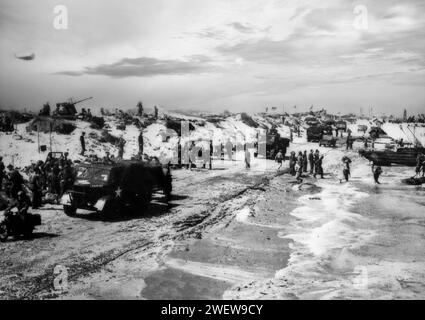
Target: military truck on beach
{"points": [[108, 188]]}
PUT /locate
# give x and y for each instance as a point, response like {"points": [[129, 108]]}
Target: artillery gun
{"points": [[67, 110]]}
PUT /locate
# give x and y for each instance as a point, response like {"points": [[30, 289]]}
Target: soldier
{"points": [[36, 189], [22, 203], [299, 166], [311, 160], [346, 171], [419, 164], [55, 180], [292, 162], [279, 158], [376, 173], [16, 180], [348, 141], [83, 143], [83, 113], [89, 115], [305, 161], [121, 144], [66, 178], [2, 168], [141, 142], [140, 109], [156, 112], [318, 167], [247, 158]]}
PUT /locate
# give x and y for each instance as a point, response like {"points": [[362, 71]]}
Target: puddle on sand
{"points": [[175, 284]]}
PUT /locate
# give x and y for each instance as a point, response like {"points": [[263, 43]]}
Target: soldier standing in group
{"points": [[121, 145], [36, 189], [22, 203], [292, 162], [141, 142], [55, 181], [16, 180], [419, 164], [67, 178], [83, 143], [2, 168], [311, 160], [348, 141], [279, 158], [247, 158], [318, 166], [305, 161], [89, 115], [299, 167]]}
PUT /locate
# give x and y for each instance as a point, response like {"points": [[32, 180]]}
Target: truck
{"points": [[341, 125], [113, 188], [327, 140], [316, 133], [273, 143]]}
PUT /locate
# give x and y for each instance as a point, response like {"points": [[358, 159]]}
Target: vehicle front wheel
{"points": [[70, 210], [28, 232], [4, 233]]}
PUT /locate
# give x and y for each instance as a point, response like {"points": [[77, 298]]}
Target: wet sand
{"points": [[352, 240], [245, 249]]}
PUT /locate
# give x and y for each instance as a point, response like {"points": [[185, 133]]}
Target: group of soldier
{"points": [[299, 164], [53, 176]]}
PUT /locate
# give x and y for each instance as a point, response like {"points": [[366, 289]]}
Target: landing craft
{"points": [[403, 156]]}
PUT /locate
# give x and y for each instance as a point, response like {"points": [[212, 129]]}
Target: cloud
{"points": [[244, 28], [148, 67]]}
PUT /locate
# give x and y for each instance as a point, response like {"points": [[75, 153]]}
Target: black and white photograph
{"points": [[212, 150]]}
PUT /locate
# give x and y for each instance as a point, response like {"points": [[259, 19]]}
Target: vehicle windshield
{"points": [[94, 175]]}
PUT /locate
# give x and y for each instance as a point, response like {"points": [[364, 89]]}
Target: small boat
{"points": [[403, 156]]}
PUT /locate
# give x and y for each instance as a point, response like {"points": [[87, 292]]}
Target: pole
{"points": [[38, 137], [50, 137]]}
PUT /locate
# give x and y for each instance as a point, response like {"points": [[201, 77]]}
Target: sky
{"points": [[215, 55]]}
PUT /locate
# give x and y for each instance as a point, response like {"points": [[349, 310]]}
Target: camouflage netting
{"points": [[64, 128], [248, 120], [106, 137], [175, 125], [97, 122], [45, 124]]}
